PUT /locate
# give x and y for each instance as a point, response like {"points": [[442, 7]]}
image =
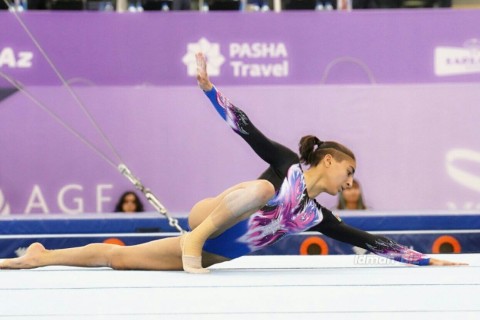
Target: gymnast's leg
{"points": [[211, 217], [163, 254]]}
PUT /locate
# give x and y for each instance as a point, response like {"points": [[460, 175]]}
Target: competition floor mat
{"points": [[252, 287]]}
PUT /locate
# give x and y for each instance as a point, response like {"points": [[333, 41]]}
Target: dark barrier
{"points": [[432, 233]]}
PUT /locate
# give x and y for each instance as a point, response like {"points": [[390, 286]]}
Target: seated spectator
{"points": [[365, 4], [351, 199], [129, 202]]}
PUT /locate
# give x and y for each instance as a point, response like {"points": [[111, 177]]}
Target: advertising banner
{"points": [[154, 48]]}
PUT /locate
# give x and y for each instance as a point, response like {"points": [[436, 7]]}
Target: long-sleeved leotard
{"points": [[290, 210]]}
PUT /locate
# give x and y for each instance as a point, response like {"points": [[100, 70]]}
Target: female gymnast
{"points": [[247, 216]]}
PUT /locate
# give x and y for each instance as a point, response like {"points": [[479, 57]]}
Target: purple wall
{"points": [[396, 46], [415, 131]]}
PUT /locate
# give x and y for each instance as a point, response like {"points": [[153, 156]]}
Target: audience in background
{"points": [[366, 4], [129, 202], [263, 5], [351, 199], [181, 5]]}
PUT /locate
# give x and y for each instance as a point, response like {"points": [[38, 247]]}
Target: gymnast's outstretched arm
{"points": [[333, 227]]}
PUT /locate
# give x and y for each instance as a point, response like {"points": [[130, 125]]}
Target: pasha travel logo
{"points": [[245, 59], [212, 53], [4, 206], [450, 61]]}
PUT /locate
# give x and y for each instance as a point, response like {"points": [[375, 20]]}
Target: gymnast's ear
{"points": [[327, 160]]}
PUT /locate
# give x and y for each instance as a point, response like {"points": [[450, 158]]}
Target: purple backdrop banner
{"points": [[396, 46], [411, 115], [417, 145]]}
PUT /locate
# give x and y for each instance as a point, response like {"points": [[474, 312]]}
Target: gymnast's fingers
{"points": [[438, 262]]}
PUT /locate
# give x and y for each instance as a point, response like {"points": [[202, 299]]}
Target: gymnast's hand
{"points": [[202, 76], [438, 262]]}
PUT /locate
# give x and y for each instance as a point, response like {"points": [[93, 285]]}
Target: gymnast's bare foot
{"points": [[28, 261], [202, 76]]}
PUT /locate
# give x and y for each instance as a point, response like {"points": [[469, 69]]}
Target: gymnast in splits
{"points": [[246, 217]]}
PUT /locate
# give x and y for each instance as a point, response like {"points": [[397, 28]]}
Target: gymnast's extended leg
{"points": [[209, 217], [163, 254]]}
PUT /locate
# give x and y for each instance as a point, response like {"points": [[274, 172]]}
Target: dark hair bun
{"points": [[307, 146], [313, 150]]}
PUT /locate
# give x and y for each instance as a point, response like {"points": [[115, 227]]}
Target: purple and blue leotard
{"points": [[290, 210]]}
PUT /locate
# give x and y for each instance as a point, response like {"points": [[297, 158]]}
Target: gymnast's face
{"points": [[339, 175]]}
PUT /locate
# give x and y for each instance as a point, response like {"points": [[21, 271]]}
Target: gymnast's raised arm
{"points": [[270, 151]]}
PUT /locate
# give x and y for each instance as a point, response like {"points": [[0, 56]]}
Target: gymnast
{"points": [[246, 217]]}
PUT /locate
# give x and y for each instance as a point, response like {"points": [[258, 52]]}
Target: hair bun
{"points": [[317, 143]]}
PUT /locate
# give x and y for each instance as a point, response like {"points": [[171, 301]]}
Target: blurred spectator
{"points": [[37, 4], [389, 4], [351, 199], [181, 5], [427, 3], [164, 4], [409, 3], [129, 202], [365, 4]]}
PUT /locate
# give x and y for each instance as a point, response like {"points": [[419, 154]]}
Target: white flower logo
{"points": [[4, 206], [211, 52]]}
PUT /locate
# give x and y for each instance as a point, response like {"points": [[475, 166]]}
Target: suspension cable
{"points": [[150, 196], [124, 170], [64, 83], [57, 118]]}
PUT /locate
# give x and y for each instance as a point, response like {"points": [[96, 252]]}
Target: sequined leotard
{"points": [[290, 210]]}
